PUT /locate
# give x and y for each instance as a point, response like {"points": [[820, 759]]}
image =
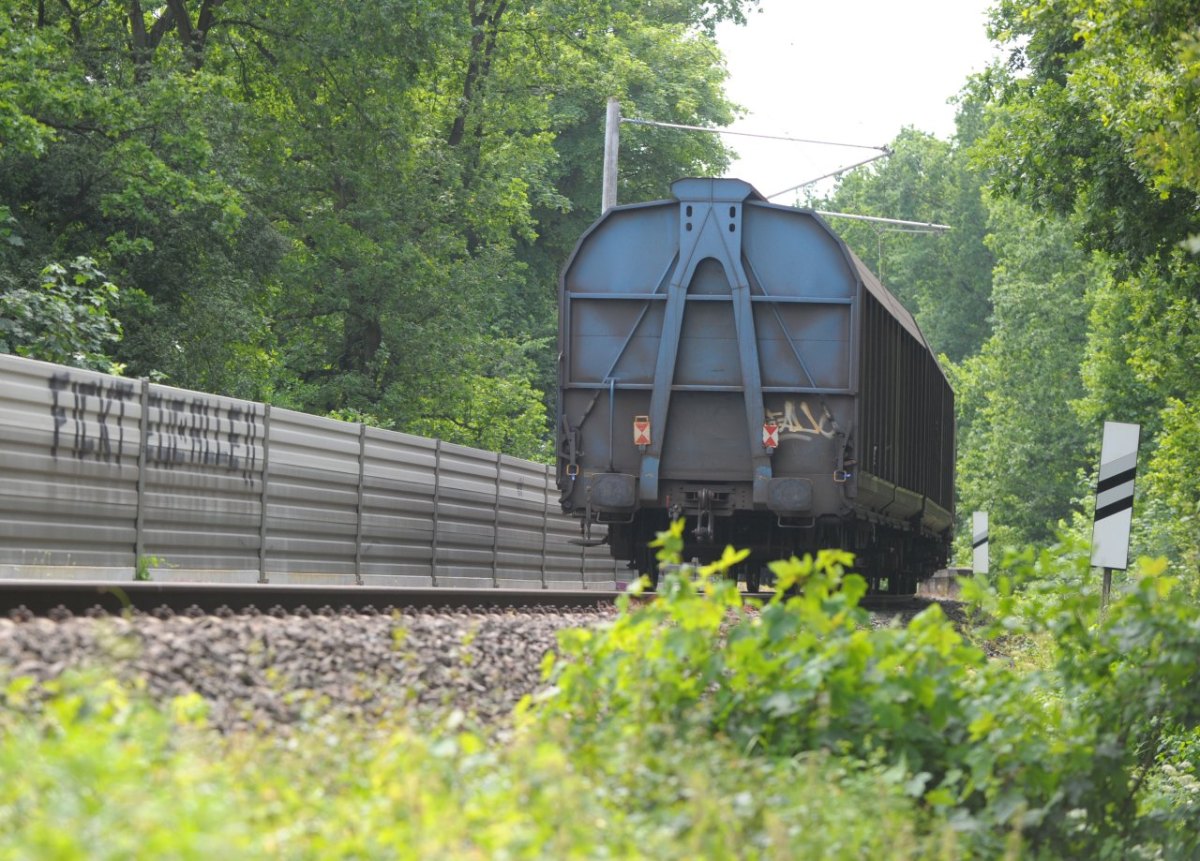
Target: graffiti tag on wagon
{"points": [[805, 425], [91, 421]]}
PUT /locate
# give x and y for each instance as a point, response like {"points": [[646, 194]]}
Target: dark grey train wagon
{"points": [[731, 361]]}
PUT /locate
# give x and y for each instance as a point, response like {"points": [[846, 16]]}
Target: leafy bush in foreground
{"points": [[96, 772], [1086, 754]]}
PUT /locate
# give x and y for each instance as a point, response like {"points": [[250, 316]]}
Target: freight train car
{"points": [[732, 362]]}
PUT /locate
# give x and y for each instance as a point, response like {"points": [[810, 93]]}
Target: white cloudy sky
{"points": [[845, 70]]}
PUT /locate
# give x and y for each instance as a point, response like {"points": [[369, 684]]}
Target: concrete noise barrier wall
{"points": [[101, 474]]}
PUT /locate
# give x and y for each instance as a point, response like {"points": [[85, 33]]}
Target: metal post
{"points": [[583, 565], [437, 473], [1106, 589], [545, 520], [358, 527], [612, 140], [262, 501], [496, 528], [143, 429]]}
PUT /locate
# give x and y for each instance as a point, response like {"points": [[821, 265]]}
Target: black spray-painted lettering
{"points": [[92, 414], [198, 433], [179, 431]]}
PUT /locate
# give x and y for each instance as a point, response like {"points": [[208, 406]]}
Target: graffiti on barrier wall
{"points": [[195, 432], [95, 413], [91, 421]]}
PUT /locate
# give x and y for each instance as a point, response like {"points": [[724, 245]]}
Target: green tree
{"points": [[67, 318], [1094, 117], [944, 279], [1021, 445], [662, 65], [126, 166]]}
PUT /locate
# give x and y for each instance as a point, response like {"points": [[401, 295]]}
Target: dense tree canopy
{"points": [[1021, 445]]}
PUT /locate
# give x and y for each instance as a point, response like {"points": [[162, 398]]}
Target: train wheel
{"points": [[647, 566], [652, 576], [753, 578]]}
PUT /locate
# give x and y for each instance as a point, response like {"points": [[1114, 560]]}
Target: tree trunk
{"points": [[485, 31]]}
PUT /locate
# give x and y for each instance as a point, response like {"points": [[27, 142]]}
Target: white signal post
{"points": [[1114, 499], [979, 542]]}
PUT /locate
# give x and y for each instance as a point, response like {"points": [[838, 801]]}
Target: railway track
{"points": [[42, 598], [37, 598], [272, 656]]}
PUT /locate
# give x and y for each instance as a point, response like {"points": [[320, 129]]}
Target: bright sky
{"points": [[854, 71]]}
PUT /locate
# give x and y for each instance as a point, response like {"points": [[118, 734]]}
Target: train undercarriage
{"points": [[893, 558]]}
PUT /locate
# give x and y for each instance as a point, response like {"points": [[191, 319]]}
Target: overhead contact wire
{"points": [[656, 123]]}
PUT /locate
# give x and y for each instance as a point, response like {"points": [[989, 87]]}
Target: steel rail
{"points": [[79, 597], [40, 597]]}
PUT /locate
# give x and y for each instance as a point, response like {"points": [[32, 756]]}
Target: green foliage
{"points": [[1063, 751], [89, 769], [801, 673], [145, 564], [1173, 479], [134, 172], [489, 412], [1081, 117], [1120, 685], [944, 279], [67, 318], [1137, 368], [1022, 448], [1094, 119]]}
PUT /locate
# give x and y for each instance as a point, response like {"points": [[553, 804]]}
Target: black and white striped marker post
{"points": [[1114, 500], [979, 542]]}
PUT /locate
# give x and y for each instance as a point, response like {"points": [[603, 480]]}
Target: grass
{"points": [[98, 772]]}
